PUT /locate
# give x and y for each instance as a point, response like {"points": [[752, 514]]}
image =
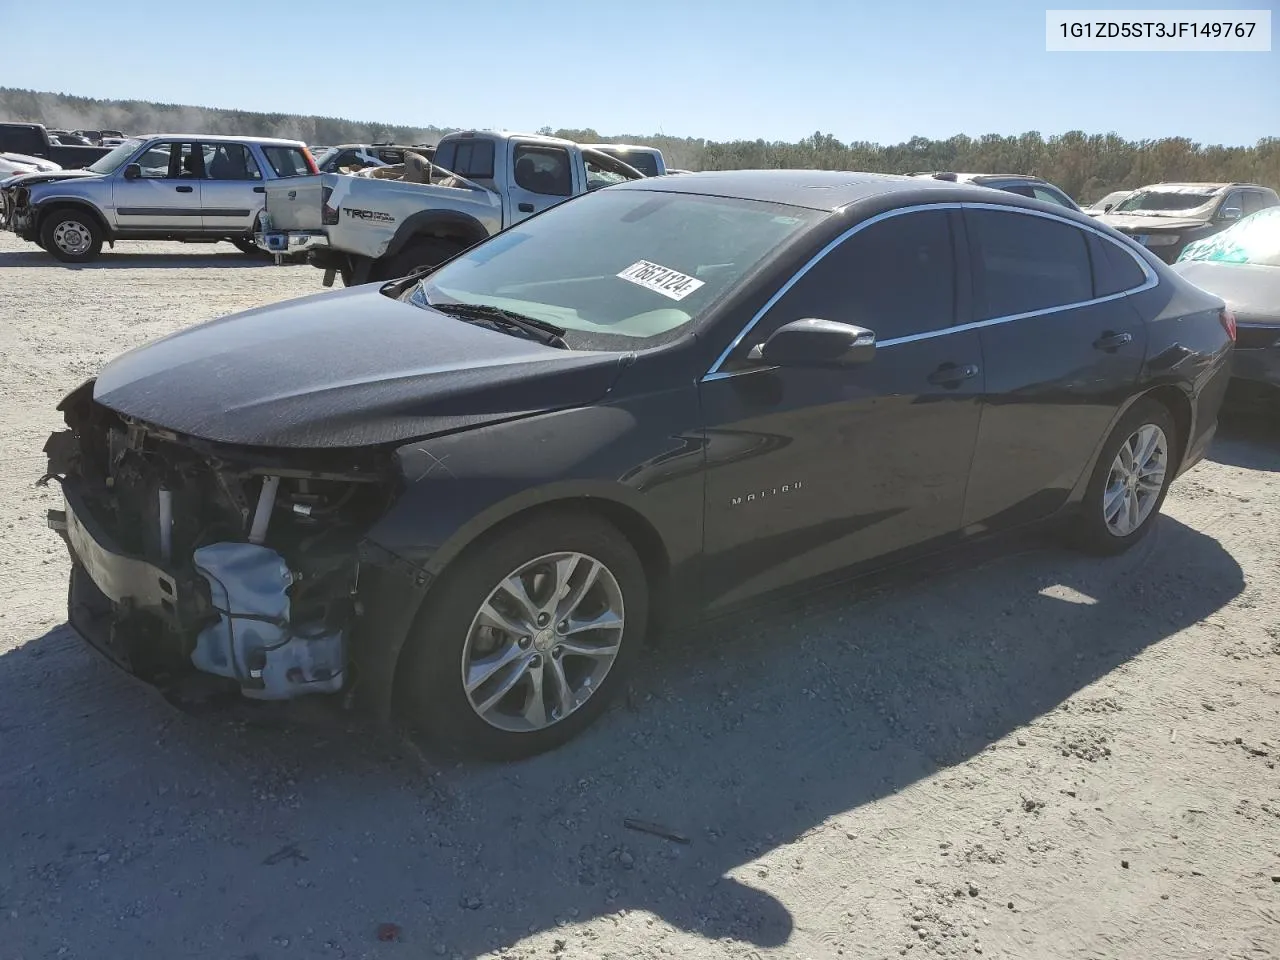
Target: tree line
{"points": [[1085, 165]]}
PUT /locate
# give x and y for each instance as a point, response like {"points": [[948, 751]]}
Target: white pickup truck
{"points": [[368, 229]]}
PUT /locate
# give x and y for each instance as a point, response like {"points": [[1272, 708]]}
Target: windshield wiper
{"points": [[540, 330]]}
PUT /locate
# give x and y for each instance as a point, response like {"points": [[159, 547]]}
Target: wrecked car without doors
{"points": [[470, 493]]}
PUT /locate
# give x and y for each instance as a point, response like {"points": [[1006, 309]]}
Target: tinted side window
{"points": [[467, 158], [287, 161], [1233, 199], [155, 162], [896, 277], [543, 170], [1050, 196], [1253, 202], [1114, 271], [23, 140], [1023, 263], [230, 161]]}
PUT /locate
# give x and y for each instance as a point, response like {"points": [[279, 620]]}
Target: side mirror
{"points": [[1232, 213], [1107, 208], [132, 171], [816, 343]]}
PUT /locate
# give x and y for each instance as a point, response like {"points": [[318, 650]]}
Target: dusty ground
{"points": [[1028, 754]]}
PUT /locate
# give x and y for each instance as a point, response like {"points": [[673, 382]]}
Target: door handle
{"points": [[184, 189], [1111, 341], [259, 189], [525, 207], [952, 374]]}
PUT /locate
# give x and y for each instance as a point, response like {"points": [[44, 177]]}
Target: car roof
{"points": [[827, 190], [979, 177], [621, 146], [1190, 187], [222, 138]]}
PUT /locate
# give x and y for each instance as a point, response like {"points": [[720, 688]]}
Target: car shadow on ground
{"points": [[223, 257], [1249, 434], [131, 828]]}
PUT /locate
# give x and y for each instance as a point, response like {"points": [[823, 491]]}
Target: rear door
{"points": [[1063, 348], [168, 194], [232, 191], [540, 176]]}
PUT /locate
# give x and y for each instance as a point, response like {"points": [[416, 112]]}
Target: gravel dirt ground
{"points": [[1019, 752]]}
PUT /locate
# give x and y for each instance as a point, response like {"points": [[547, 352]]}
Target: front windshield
{"points": [[1255, 239], [116, 158], [619, 266], [323, 156], [1164, 201]]}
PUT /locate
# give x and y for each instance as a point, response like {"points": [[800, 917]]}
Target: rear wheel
{"points": [[1130, 480], [246, 246], [419, 253], [526, 637], [73, 236]]}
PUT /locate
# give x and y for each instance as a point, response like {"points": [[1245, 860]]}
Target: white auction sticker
{"points": [[660, 279]]}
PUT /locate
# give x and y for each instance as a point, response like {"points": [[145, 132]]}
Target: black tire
{"points": [[83, 223], [422, 252], [250, 249], [1089, 530], [430, 688]]}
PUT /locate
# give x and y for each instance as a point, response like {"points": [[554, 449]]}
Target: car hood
{"points": [[1134, 221], [35, 163], [345, 369], [47, 176], [1251, 290]]}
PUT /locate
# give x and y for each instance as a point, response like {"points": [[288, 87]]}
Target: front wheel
{"points": [[526, 637], [1130, 480], [72, 236]]}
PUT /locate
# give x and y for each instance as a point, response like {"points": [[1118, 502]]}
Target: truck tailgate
{"points": [[295, 203]]}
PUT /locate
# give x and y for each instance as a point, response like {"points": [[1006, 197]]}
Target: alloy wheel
{"points": [[543, 641], [1135, 481]]}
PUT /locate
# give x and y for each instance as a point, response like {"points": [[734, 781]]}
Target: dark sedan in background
{"points": [[1242, 266], [472, 492], [1165, 217]]}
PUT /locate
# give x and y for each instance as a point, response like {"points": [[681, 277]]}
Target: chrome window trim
{"points": [[1150, 279]]}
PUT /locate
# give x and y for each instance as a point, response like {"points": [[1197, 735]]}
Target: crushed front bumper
{"points": [[122, 604], [227, 618]]}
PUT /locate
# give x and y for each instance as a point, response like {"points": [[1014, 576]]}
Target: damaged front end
{"points": [[195, 560]]}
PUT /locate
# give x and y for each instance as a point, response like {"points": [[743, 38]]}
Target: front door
{"points": [[1063, 348], [541, 176], [167, 195], [231, 191], [810, 470]]}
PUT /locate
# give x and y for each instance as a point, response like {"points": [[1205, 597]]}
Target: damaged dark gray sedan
{"points": [[470, 494]]}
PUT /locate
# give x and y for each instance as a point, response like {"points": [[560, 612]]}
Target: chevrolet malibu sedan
{"points": [[465, 497]]}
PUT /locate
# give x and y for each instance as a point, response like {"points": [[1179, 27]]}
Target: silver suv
{"points": [[178, 187]]}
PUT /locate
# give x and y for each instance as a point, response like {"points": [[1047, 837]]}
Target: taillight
{"points": [[311, 161], [1228, 320], [328, 214]]}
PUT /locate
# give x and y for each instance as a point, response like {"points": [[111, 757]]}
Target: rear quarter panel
{"points": [[1187, 349]]}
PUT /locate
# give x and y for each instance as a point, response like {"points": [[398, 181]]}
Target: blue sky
{"points": [[720, 69]]}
